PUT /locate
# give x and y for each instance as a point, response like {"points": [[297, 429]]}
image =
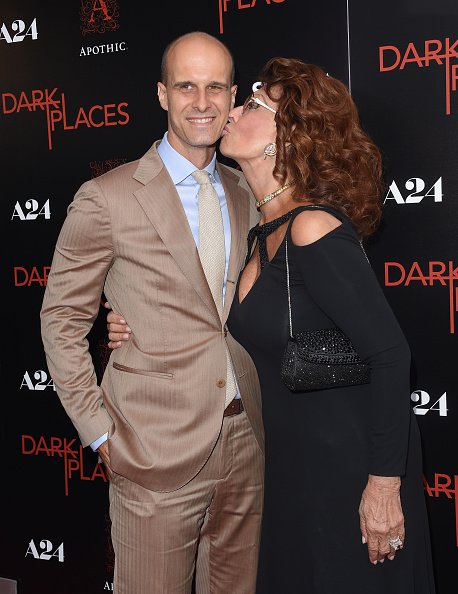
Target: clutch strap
{"points": [[289, 290], [287, 270]]}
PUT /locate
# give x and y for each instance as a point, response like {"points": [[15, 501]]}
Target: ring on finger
{"points": [[395, 543]]}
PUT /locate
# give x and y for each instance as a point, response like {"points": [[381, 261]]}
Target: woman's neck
{"points": [[262, 184], [278, 206]]}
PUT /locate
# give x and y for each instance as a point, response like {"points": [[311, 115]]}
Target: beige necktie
{"points": [[212, 253]]}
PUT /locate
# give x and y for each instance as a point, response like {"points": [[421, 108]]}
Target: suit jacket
{"points": [[161, 398]]}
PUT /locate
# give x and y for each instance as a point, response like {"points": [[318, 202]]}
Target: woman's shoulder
{"points": [[311, 224]]}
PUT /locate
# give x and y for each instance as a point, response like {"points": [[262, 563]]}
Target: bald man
{"points": [[186, 468]]}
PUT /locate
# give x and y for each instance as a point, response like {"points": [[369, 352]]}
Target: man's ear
{"points": [[162, 95], [233, 94]]}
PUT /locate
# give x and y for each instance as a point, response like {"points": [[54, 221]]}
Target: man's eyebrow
{"points": [[217, 83], [212, 83]]}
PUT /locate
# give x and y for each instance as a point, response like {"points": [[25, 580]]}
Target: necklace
{"points": [[272, 195]]}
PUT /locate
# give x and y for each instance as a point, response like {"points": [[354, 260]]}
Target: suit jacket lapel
{"points": [[238, 205], [162, 205]]}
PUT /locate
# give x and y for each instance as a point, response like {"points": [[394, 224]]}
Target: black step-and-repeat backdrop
{"points": [[404, 74], [78, 97]]}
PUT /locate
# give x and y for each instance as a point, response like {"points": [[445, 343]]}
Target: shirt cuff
{"points": [[95, 444]]}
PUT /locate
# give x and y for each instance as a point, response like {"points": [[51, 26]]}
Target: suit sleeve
{"points": [[82, 257], [342, 283]]}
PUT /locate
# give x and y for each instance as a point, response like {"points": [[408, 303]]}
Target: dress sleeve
{"points": [[341, 281]]}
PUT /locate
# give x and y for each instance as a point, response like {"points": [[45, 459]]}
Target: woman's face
{"points": [[250, 128]]}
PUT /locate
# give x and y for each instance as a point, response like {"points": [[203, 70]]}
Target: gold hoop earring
{"points": [[270, 150]]}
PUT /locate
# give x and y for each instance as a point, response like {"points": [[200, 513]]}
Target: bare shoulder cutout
{"points": [[311, 225]]}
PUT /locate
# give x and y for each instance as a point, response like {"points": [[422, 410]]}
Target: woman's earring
{"points": [[270, 150]]}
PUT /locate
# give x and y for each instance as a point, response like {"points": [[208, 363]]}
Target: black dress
{"points": [[321, 445]]}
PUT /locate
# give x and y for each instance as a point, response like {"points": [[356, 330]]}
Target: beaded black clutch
{"points": [[320, 359]]}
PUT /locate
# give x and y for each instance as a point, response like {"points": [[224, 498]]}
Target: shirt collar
{"points": [[179, 167]]}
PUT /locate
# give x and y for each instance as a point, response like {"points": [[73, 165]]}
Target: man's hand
{"points": [[102, 450], [118, 330]]}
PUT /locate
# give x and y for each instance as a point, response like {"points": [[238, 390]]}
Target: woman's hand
{"points": [[118, 330], [381, 517]]}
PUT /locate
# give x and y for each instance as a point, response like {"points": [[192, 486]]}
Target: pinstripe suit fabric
{"points": [[161, 398]]}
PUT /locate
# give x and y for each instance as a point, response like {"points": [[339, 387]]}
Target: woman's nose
{"points": [[235, 113]]}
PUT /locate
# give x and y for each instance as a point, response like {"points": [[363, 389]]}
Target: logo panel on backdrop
{"points": [[429, 274], [31, 210], [38, 380], [100, 167], [432, 52], [19, 31], [224, 5], [99, 16], [417, 190], [444, 484], [60, 116], [45, 551], [31, 276], [76, 463], [423, 404]]}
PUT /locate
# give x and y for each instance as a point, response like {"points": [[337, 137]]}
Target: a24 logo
{"points": [[31, 210], [19, 31], [42, 381], [47, 551], [416, 188], [422, 401]]}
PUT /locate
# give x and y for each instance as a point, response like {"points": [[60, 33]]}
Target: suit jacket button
{"points": [[221, 383], [225, 332]]}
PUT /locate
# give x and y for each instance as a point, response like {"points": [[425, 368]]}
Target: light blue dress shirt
{"points": [[180, 170]]}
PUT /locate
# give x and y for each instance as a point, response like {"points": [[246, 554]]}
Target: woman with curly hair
{"points": [[317, 179]]}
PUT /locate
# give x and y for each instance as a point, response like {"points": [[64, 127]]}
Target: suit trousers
{"points": [[204, 535]]}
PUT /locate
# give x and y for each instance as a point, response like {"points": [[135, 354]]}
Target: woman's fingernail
{"points": [[363, 540], [391, 558], [128, 329], [374, 562], [382, 560], [121, 321]]}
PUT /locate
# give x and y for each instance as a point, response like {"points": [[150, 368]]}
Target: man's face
{"points": [[198, 95]]}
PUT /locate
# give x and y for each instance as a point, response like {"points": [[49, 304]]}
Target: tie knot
{"points": [[201, 177]]}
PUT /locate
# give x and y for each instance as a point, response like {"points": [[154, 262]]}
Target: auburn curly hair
{"points": [[321, 144]]}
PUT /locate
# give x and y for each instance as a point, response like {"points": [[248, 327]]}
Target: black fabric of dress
{"points": [[321, 445]]}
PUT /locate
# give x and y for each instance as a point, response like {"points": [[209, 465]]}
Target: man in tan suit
{"points": [[186, 468]]}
